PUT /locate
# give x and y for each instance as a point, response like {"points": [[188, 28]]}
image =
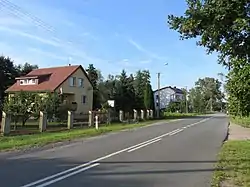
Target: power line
{"points": [[27, 16]]}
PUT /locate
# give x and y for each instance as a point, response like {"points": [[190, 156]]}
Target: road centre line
{"points": [[83, 166], [91, 162], [68, 175], [173, 133], [144, 145]]}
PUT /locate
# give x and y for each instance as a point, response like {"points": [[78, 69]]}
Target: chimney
{"points": [[69, 64]]}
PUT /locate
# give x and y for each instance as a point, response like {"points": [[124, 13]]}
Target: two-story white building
{"points": [[166, 95]]}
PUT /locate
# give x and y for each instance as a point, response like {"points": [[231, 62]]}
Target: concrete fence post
{"points": [[96, 122], [42, 121], [142, 114], [70, 119], [151, 114], [121, 116], [148, 114], [109, 117], [91, 118], [135, 114], [6, 121]]}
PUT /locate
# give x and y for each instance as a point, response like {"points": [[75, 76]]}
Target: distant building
{"points": [[167, 94]]}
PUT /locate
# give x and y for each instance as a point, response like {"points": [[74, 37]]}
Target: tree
{"points": [[143, 90], [221, 26], [25, 69], [238, 87], [206, 95], [139, 89], [125, 92], [148, 97], [8, 72], [93, 76], [22, 105], [197, 101]]}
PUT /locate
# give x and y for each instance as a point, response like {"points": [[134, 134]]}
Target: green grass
{"points": [[243, 121], [35, 140], [179, 115], [234, 156]]}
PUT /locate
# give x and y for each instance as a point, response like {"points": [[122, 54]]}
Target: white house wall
{"points": [[165, 97]]}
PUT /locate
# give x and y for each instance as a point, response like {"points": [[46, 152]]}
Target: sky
{"points": [[112, 35]]}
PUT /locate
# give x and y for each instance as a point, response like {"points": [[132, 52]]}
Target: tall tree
{"points": [[139, 89], [8, 72], [26, 68], [93, 76], [222, 26], [125, 92], [148, 97], [206, 95]]}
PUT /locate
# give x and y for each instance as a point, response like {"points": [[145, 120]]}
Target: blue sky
{"points": [[113, 35]]}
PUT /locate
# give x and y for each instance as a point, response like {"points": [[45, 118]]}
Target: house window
{"points": [[177, 97], [80, 82], [33, 81], [84, 98], [72, 81]]}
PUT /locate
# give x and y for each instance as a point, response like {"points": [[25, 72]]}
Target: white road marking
{"points": [[144, 145], [68, 175], [83, 166], [176, 132]]}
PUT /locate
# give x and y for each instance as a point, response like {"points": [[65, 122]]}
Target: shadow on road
{"points": [[32, 169]]}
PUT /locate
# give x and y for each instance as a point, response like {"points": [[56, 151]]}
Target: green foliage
{"points": [[173, 107], [24, 105], [206, 96], [93, 75], [25, 69], [243, 121], [8, 73], [129, 91], [148, 97], [222, 26]]}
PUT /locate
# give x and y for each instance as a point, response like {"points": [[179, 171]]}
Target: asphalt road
{"points": [[175, 154]]}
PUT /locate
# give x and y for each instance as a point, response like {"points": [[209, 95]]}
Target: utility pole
{"points": [[158, 92], [186, 100]]}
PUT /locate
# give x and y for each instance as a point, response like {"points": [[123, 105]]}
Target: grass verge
{"points": [[179, 115], [243, 121], [233, 167], [35, 140]]}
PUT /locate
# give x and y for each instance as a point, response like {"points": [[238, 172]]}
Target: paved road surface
{"points": [[176, 154]]}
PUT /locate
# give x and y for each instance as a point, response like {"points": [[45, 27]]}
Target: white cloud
{"points": [[28, 35], [137, 46], [148, 53]]}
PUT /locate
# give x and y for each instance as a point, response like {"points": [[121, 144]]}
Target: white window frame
{"points": [[80, 80], [72, 81]]}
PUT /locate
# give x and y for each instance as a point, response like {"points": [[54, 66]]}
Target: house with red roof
{"points": [[71, 82]]}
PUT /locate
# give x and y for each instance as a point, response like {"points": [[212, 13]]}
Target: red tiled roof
{"points": [[57, 77]]}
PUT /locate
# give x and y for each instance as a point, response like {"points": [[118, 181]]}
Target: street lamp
{"points": [[158, 91]]}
